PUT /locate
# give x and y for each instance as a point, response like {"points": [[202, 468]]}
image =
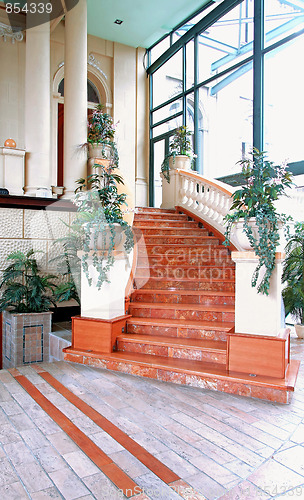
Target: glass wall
{"points": [[204, 80]]}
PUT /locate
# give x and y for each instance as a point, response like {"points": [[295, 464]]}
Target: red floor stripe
{"points": [[157, 467], [105, 464]]}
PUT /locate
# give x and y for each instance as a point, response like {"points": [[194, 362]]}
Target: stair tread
{"points": [[201, 368], [193, 307], [195, 280], [225, 326], [185, 229], [209, 345], [160, 291]]}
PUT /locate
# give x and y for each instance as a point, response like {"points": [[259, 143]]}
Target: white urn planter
{"points": [[102, 241], [97, 150], [241, 241], [299, 331], [182, 162]]}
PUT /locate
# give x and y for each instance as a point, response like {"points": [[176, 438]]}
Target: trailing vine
{"points": [[264, 183]]}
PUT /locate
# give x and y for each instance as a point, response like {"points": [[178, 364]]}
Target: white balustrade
{"points": [[208, 199], [211, 200]]}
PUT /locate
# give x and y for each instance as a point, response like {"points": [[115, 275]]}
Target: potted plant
{"points": [[68, 266], [253, 208], [99, 221], [180, 152], [101, 131], [293, 276], [27, 296]]}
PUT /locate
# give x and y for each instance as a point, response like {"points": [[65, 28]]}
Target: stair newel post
{"points": [[171, 190], [103, 314], [257, 313]]}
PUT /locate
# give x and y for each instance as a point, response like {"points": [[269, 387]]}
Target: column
{"points": [[75, 96], [256, 313], [37, 109]]}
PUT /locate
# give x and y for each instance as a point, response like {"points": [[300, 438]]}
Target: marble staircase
{"points": [[182, 311]]}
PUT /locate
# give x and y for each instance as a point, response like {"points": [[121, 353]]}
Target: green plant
{"points": [[101, 128], [293, 274], [264, 183], [101, 131], [180, 144], [99, 212], [68, 266], [25, 289]]}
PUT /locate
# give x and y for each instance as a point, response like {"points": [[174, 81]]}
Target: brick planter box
{"points": [[25, 338]]}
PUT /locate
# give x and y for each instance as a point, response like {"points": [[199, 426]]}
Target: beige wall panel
{"points": [[9, 246], [102, 47], [125, 113], [11, 223], [40, 224], [11, 94]]}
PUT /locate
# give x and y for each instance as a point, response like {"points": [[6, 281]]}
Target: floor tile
{"points": [[80, 463], [13, 491], [68, 484], [274, 478], [292, 458]]}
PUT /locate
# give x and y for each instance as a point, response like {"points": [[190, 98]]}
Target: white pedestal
{"points": [[170, 190], [12, 170], [109, 301], [256, 313]]}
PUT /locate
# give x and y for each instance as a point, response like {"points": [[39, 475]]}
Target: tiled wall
{"points": [[22, 229]]}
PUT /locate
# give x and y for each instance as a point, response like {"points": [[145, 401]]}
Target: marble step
{"points": [[183, 297], [195, 349], [197, 374], [178, 272], [203, 330], [193, 312], [173, 284], [165, 223]]}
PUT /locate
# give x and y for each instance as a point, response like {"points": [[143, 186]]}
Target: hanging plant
{"points": [[264, 183]]}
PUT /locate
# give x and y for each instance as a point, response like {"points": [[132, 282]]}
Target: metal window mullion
{"points": [[196, 102], [171, 117], [258, 75], [201, 26], [151, 149]]}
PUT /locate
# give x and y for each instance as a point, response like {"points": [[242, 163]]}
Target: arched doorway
{"points": [[98, 92], [93, 99]]}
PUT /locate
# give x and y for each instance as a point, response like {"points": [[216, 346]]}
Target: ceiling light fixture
{"points": [[118, 21]]}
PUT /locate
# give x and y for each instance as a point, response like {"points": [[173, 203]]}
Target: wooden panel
{"points": [[96, 335], [258, 355]]}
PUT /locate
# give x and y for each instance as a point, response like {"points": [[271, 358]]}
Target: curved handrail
{"points": [[210, 200]]}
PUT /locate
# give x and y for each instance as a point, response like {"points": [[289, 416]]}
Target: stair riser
{"points": [[144, 249], [171, 260], [143, 312], [176, 332], [148, 284], [143, 216], [155, 210], [165, 223], [175, 298], [176, 240], [174, 352], [210, 382], [179, 231], [168, 272]]}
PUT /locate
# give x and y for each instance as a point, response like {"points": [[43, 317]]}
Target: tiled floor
{"points": [[222, 446]]}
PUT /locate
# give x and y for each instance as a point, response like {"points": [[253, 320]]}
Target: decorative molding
{"points": [[91, 62], [8, 32]]}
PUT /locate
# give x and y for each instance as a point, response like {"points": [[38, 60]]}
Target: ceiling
{"points": [[144, 21]]}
